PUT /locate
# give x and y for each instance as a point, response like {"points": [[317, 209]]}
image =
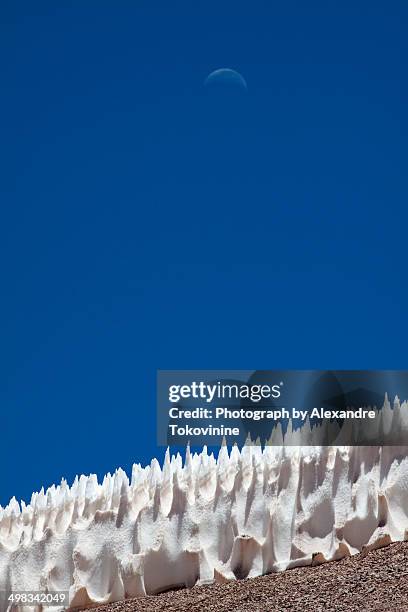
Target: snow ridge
{"points": [[243, 514]]}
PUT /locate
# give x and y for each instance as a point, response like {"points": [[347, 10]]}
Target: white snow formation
{"points": [[243, 514]]}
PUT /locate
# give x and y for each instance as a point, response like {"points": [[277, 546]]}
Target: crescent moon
{"points": [[226, 76]]}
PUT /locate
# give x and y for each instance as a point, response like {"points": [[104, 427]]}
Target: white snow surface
{"points": [[242, 514]]}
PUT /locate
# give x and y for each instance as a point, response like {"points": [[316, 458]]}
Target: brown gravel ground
{"points": [[374, 582]]}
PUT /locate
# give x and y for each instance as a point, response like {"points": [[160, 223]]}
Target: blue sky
{"points": [[144, 226]]}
